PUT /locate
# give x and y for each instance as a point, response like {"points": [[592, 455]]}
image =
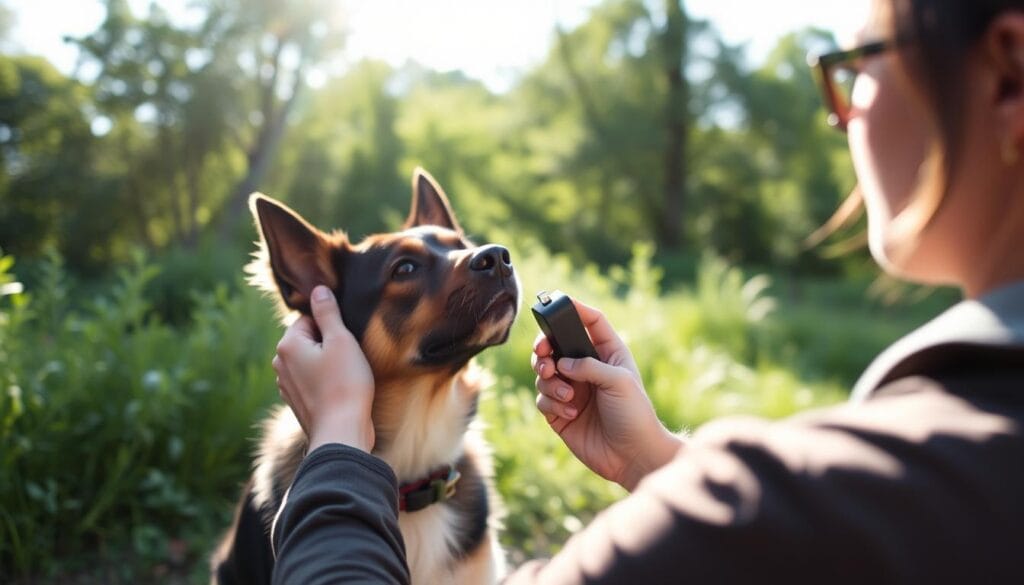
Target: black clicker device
{"points": [[561, 324]]}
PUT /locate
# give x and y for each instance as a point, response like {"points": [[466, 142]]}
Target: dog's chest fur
{"points": [[449, 542]]}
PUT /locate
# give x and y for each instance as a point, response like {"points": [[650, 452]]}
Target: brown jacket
{"points": [[919, 479]]}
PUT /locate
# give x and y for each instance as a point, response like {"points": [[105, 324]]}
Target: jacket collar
{"points": [[993, 320]]}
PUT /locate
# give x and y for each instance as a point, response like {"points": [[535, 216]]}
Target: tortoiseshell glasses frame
{"points": [[836, 72]]}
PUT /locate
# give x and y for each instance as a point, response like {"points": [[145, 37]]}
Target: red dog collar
{"points": [[437, 487]]}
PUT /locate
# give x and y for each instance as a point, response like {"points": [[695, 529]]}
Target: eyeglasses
{"points": [[836, 73]]}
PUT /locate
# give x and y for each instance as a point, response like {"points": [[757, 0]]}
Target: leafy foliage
{"points": [[641, 123], [119, 428], [49, 190]]}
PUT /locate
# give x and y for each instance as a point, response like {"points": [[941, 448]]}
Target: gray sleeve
{"points": [[339, 522]]}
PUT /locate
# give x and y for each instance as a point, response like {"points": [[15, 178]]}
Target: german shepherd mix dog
{"points": [[421, 302]]}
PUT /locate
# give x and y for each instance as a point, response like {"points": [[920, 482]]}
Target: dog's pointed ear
{"points": [[294, 256], [429, 204]]}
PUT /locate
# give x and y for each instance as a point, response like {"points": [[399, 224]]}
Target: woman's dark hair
{"points": [[936, 37]]}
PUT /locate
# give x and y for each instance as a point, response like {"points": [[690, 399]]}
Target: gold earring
{"points": [[1010, 154]]}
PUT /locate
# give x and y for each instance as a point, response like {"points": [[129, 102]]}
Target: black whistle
{"points": [[561, 324]]}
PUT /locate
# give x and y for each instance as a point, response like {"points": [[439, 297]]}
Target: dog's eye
{"points": [[405, 268]]}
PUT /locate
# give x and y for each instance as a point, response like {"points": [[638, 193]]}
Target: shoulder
{"points": [[912, 420], [975, 337], [917, 435]]}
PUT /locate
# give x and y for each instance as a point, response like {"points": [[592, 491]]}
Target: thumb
{"points": [[326, 313], [591, 370]]}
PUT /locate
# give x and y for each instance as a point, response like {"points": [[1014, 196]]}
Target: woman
{"points": [[919, 479]]}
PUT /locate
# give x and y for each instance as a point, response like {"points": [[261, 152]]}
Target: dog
{"points": [[422, 302]]}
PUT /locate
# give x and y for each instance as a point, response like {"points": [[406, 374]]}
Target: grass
{"points": [[126, 439]]}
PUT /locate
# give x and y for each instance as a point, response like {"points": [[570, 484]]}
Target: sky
{"points": [[494, 41]]}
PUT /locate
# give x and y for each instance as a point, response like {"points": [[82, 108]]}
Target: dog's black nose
{"points": [[492, 259]]}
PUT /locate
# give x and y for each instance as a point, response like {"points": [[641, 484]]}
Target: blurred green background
{"points": [[643, 165]]}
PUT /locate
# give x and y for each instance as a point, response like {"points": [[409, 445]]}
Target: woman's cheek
{"points": [[878, 210], [887, 143], [864, 133]]}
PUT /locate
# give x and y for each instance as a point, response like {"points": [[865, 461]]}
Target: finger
{"points": [[541, 345], [598, 326], [284, 377], [327, 314], [298, 334], [282, 389], [543, 366], [554, 410], [593, 371], [555, 388]]}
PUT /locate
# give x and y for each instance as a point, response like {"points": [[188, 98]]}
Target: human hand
{"points": [[328, 384], [600, 408]]}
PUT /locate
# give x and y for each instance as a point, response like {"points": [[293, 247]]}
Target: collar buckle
{"points": [[438, 487]]}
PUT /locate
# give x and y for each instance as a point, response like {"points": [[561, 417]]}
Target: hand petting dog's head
{"points": [[422, 297]]}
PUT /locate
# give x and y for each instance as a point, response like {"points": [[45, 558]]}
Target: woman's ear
{"points": [[1004, 48]]}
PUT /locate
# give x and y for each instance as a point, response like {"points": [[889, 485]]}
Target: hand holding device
{"points": [[597, 406], [561, 324]]}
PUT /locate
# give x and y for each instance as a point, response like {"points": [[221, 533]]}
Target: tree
{"points": [[803, 169], [212, 94], [674, 139], [674, 48], [171, 105], [7, 21], [50, 194], [342, 162], [627, 71], [281, 41], [640, 125]]}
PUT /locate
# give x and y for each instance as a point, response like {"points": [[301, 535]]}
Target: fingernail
{"points": [[563, 393], [540, 368], [566, 364], [571, 412], [321, 293]]}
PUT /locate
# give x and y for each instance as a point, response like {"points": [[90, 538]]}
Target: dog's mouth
{"points": [[490, 326], [500, 303], [447, 350]]}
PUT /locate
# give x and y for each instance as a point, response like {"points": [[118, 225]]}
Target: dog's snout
{"points": [[492, 259]]}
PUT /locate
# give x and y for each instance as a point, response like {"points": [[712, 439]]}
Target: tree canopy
{"points": [[641, 125]]}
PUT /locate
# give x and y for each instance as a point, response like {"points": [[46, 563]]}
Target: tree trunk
{"points": [[171, 180], [138, 205], [597, 123], [677, 125], [262, 153], [260, 156], [139, 211], [193, 170]]}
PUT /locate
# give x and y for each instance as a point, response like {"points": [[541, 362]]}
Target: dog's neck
{"points": [[420, 422]]}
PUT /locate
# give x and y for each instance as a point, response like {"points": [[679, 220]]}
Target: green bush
{"points": [[120, 429], [126, 439]]}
